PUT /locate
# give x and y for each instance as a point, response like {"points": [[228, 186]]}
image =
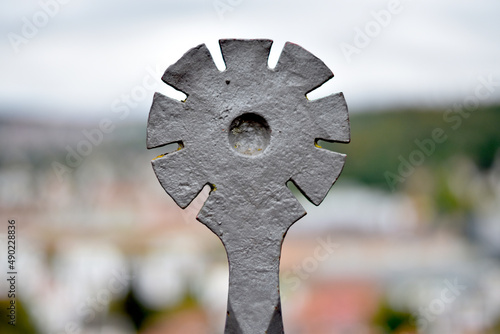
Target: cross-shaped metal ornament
{"points": [[247, 131]]}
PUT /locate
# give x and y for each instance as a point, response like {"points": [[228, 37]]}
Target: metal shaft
{"points": [[254, 298]]}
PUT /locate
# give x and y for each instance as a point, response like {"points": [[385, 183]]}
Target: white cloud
{"points": [[91, 52]]}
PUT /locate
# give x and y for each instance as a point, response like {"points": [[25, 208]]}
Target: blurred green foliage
{"points": [[393, 321], [142, 316], [379, 139], [23, 324]]}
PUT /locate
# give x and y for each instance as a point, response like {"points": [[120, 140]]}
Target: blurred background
{"points": [[407, 241]]}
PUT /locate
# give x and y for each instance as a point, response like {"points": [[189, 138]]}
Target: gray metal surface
{"points": [[247, 131]]}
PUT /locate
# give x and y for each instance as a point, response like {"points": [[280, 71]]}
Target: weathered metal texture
{"points": [[247, 131]]}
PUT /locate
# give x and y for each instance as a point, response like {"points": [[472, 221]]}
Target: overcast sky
{"points": [[67, 58]]}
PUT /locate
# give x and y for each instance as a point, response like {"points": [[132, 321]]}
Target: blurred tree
{"points": [[137, 312], [23, 321], [142, 317], [394, 321]]}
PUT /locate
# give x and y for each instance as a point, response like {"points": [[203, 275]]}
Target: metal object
{"points": [[247, 131]]}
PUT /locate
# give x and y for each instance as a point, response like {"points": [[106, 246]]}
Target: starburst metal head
{"points": [[247, 131]]}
